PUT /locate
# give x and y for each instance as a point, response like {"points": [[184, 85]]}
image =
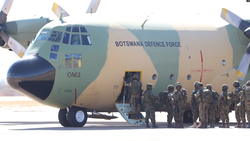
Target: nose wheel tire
{"points": [[62, 116], [77, 117]]}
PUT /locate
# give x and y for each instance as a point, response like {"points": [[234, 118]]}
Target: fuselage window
{"points": [[83, 29], [66, 38], [68, 60], [86, 40], [55, 36], [68, 29], [75, 29], [53, 56], [77, 61], [43, 35], [75, 39]]}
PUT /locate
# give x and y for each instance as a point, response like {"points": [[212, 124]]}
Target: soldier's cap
{"points": [[209, 85], [149, 85], [224, 86], [248, 83]]}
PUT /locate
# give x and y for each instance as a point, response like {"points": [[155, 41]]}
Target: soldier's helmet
{"points": [[248, 83], [178, 84], [149, 85], [209, 86], [195, 83], [235, 83], [170, 87], [224, 86], [244, 86], [135, 76]]}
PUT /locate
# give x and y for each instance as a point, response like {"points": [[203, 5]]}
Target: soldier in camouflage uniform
{"points": [[224, 103], [212, 105], [166, 98], [204, 97], [239, 108], [128, 90], [246, 98], [135, 86], [194, 106], [149, 100], [180, 98]]}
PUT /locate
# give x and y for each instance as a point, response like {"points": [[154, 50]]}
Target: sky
{"points": [[26, 9]]}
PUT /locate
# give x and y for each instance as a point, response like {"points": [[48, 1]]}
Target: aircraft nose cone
{"points": [[32, 76]]}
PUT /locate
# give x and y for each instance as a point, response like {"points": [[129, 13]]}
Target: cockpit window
{"points": [[86, 40], [75, 39], [55, 36], [43, 35], [83, 29], [68, 29], [75, 29], [66, 38]]}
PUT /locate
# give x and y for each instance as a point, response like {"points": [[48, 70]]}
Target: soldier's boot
{"points": [[176, 125], [170, 125], [248, 126], [211, 125], [154, 126], [181, 125], [223, 125], [194, 125], [147, 126], [205, 125], [238, 125], [244, 125], [200, 125], [139, 116], [227, 126]]}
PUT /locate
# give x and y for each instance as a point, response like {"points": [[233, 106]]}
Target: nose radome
{"points": [[33, 76]]}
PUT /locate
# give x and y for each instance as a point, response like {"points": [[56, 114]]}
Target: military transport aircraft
{"points": [[77, 64]]}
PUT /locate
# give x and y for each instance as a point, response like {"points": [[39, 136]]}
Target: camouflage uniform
{"points": [[239, 108], [149, 100], [134, 100], [204, 97], [224, 103], [129, 90], [180, 98], [194, 106], [212, 106], [246, 98], [166, 98]]}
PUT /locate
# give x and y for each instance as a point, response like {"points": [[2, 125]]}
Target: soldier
{"points": [[239, 108], [128, 89], [223, 104], [246, 98], [212, 105], [203, 96], [180, 98], [149, 100], [166, 98], [194, 106], [135, 86]]}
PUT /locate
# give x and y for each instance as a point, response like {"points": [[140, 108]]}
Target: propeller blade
{"points": [[13, 44], [234, 20], [93, 6], [5, 11], [244, 64], [58, 10]]}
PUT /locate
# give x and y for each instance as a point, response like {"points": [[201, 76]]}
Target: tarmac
{"points": [[41, 123]]}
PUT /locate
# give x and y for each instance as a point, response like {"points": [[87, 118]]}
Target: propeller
{"points": [[12, 43], [93, 6], [244, 26]]}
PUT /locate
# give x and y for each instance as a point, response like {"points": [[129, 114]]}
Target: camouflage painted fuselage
{"points": [[204, 49]]}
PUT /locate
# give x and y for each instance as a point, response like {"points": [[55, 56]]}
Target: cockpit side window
{"points": [[55, 36], [75, 39], [86, 40], [68, 29], [66, 38], [83, 29], [43, 35], [75, 29]]}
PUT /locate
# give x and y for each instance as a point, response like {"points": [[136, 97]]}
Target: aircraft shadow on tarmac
{"points": [[95, 126]]}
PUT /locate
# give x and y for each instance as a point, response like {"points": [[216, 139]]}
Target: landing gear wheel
{"points": [[77, 116], [62, 116]]}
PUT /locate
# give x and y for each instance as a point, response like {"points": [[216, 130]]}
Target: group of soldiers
{"points": [[204, 103]]}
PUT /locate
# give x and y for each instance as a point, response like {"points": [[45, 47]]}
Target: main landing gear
{"points": [[73, 117]]}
